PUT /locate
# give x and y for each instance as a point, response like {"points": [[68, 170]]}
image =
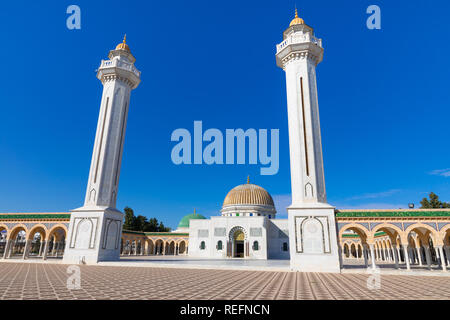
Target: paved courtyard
{"points": [[49, 281]]}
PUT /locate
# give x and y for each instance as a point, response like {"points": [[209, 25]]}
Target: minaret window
{"points": [[219, 245], [255, 246]]}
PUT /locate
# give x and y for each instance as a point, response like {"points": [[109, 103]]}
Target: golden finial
{"points": [[296, 20], [123, 45], [248, 179]]}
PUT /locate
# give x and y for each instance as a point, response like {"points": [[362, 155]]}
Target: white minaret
{"points": [[95, 229], [312, 226]]}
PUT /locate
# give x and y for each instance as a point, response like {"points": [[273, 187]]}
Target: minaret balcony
{"points": [[120, 68], [299, 44], [299, 39]]}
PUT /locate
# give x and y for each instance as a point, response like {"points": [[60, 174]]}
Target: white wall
{"points": [[277, 234]]}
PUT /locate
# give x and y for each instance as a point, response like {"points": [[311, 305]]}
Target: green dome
{"points": [[184, 223]]}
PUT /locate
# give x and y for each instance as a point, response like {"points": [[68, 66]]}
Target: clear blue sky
{"points": [[383, 97]]}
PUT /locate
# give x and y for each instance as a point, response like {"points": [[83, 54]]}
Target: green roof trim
{"points": [[350, 235], [354, 214], [165, 234], [155, 233], [34, 216]]}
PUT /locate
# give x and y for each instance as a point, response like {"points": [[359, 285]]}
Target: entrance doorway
{"points": [[238, 238]]}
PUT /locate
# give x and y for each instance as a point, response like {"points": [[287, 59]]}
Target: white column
{"points": [[438, 256], [441, 252], [405, 252], [26, 249], [44, 256]]}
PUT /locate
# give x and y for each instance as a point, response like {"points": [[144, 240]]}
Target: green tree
{"points": [[151, 225], [141, 223], [433, 202], [162, 228], [129, 219]]}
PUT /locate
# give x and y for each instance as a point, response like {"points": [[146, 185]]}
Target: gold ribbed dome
{"points": [[123, 45], [296, 20], [248, 194]]}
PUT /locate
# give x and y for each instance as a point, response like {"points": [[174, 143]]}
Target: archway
{"points": [[238, 244], [430, 241], [182, 247], [16, 245], [390, 237], [36, 241], [159, 244], [56, 242], [346, 251], [354, 235]]}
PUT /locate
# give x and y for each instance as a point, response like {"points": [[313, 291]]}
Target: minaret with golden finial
{"points": [[298, 55], [95, 228], [312, 223]]}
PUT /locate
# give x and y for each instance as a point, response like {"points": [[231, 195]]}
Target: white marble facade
{"points": [[263, 238]]}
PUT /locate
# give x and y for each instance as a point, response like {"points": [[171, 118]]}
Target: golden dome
{"points": [[296, 20], [250, 194], [123, 45]]}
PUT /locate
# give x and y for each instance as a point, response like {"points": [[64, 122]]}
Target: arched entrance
{"points": [[238, 244]]}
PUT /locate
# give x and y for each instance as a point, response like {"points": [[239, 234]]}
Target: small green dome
{"points": [[184, 223]]}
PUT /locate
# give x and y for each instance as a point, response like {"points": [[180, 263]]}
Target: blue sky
{"points": [[383, 97]]}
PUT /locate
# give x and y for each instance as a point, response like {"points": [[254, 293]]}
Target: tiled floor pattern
{"points": [[49, 281]]}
